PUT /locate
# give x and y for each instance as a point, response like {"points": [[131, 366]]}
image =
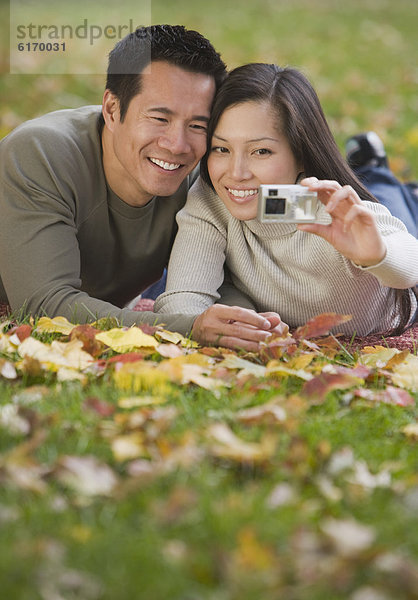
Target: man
{"points": [[89, 196]]}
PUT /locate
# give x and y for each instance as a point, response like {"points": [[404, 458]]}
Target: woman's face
{"points": [[247, 150]]}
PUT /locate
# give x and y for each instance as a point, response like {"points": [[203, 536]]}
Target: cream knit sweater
{"points": [[282, 269]]}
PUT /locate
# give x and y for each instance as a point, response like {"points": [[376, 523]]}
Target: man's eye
{"points": [[198, 127], [160, 119]]}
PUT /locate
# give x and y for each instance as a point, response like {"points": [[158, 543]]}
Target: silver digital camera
{"points": [[286, 204]]}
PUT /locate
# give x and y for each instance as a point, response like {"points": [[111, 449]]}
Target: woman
{"points": [[267, 126]]}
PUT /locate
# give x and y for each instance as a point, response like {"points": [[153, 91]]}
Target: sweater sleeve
{"points": [[196, 267], [399, 268]]}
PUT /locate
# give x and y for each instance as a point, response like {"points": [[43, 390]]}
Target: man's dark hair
{"points": [[174, 44]]}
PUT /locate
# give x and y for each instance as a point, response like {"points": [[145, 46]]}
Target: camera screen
{"points": [[275, 206]]}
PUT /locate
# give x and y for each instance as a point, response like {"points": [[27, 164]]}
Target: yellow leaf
{"points": [[121, 340], [232, 361], [55, 325], [175, 338], [275, 367], [411, 430], [135, 401], [139, 377], [126, 447], [379, 358], [251, 554], [412, 136], [405, 375]]}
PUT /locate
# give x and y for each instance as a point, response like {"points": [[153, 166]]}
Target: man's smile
{"points": [[167, 166]]}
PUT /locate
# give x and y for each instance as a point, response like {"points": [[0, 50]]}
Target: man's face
{"points": [[163, 134]]}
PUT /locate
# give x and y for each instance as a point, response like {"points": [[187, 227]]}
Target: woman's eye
{"points": [[263, 151], [219, 149]]}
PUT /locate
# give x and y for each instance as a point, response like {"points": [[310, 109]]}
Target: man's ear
{"points": [[110, 109]]}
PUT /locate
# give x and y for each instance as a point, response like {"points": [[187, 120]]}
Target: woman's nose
{"points": [[239, 168]]}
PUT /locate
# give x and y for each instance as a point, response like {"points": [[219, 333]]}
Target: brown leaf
{"points": [[21, 331], [101, 407], [318, 387], [87, 335], [320, 325]]}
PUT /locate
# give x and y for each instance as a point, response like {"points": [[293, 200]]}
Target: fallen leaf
{"points": [[406, 374], [7, 369], [175, 338], [411, 431], [379, 358], [128, 446], [389, 395], [55, 325], [141, 376], [101, 407], [225, 444], [87, 335], [349, 537], [86, 475], [20, 333], [320, 325], [57, 354], [318, 387], [245, 366], [125, 340], [169, 350], [135, 401], [269, 413]]}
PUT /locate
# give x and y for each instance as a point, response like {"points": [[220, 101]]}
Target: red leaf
{"points": [[390, 395], [124, 358], [320, 325], [104, 409], [320, 386]]}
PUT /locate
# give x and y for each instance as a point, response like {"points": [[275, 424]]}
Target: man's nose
{"points": [[175, 139]]}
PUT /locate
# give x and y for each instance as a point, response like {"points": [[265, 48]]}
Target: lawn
{"points": [[136, 466]]}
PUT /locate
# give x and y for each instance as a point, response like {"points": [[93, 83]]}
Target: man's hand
{"points": [[236, 327]]}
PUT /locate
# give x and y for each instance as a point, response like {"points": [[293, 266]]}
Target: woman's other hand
{"points": [[236, 327]]}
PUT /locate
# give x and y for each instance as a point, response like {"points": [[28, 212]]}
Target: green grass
{"points": [[360, 56], [206, 527]]}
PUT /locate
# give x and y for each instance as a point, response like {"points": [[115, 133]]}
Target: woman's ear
{"points": [[300, 176], [110, 109]]}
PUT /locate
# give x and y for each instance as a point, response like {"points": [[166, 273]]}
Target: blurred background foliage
{"points": [[361, 56]]}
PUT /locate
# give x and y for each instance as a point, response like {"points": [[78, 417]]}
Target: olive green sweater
{"points": [[68, 245]]}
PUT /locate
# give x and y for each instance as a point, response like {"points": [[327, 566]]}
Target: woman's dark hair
{"points": [[174, 44], [301, 119]]}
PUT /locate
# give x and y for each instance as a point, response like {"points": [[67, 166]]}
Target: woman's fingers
{"points": [[233, 327]]}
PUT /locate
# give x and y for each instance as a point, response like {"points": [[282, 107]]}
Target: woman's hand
{"points": [[236, 327], [353, 230]]}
